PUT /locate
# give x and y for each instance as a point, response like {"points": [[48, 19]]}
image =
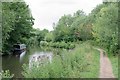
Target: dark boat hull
{"points": [[18, 49], [18, 52]]}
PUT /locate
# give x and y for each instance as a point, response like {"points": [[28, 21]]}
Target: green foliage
{"points": [[6, 74], [105, 28], [43, 43], [114, 61], [72, 28], [81, 61], [39, 38], [17, 23], [61, 31], [49, 37], [41, 34], [64, 45]]}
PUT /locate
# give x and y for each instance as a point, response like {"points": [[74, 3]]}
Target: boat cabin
{"points": [[19, 48]]}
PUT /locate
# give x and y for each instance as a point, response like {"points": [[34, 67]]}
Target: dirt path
{"points": [[105, 66]]}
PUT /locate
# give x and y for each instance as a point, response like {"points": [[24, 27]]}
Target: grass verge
{"points": [[114, 62]]}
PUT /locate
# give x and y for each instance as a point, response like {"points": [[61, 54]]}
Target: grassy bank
{"points": [[114, 62], [81, 62], [92, 58]]}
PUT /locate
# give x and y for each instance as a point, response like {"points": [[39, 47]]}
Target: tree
{"points": [[105, 28], [61, 31], [81, 28], [16, 24], [49, 37], [72, 28]]}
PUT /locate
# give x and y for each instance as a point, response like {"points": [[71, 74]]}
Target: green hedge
{"points": [[68, 45]]}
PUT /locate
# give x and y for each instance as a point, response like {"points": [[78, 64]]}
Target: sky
{"points": [[47, 12]]}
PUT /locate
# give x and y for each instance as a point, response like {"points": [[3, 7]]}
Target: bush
{"points": [[6, 74], [62, 45], [70, 46], [43, 43]]}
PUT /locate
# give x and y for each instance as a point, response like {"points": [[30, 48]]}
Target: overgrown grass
{"points": [[92, 58], [81, 62], [114, 62]]}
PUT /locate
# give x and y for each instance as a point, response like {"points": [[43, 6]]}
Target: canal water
{"points": [[14, 63]]}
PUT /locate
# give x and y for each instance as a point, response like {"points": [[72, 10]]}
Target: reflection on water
{"points": [[14, 63], [22, 56], [40, 58]]}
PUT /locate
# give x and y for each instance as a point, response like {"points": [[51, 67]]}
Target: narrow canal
{"points": [[14, 63]]}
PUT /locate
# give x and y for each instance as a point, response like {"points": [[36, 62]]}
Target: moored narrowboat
{"points": [[19, 48]]}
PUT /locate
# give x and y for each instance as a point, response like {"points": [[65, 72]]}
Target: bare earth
{"points": [[105, 66]]}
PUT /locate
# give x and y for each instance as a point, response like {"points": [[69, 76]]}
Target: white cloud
{"points": [[46, 12]]}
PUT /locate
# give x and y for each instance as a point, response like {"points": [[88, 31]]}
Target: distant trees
{"points": [[37, 36], [49, 37], [81, 26], [72, 28], [41, 35], [62, 28], [100, 25]]}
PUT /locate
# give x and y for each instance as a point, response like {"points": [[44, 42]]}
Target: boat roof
{"points": [[20, 44]]}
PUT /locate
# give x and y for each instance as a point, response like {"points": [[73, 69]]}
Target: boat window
{"points": [[16, 46], [22, 46]]}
